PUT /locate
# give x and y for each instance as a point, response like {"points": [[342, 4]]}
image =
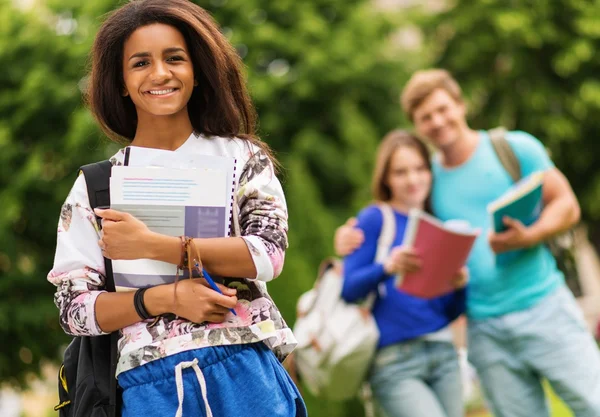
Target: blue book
{"points": [[522, 202]]}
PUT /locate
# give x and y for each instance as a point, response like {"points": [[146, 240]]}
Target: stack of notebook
{"points": [[174, 194]]}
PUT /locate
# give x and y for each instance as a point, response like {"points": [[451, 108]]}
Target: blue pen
{"points": [[214, 286]]}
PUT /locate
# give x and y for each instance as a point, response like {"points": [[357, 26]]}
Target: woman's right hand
{"points": [[402, 260], [194, 300]]}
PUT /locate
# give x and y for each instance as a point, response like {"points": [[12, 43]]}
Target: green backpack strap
{"points": [[505, 153]]}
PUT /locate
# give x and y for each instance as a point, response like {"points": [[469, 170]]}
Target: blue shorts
{"points": [[236, 380]]}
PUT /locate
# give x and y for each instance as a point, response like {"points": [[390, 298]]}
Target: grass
{"points": [[558, 408]]}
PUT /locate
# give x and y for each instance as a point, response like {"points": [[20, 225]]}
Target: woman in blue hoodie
{"points": [[415, 372]]}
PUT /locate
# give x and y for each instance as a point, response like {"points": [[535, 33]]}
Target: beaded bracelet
{"points": [[184, 255], [190, 258]]}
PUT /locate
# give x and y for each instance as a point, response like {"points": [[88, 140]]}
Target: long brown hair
{"points": [[391, 142], [219, 106]]}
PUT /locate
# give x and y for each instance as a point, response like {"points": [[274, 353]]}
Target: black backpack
{"points": [[87, 386]]}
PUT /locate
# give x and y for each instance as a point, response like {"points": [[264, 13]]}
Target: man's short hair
{"points": [[422, 84]]}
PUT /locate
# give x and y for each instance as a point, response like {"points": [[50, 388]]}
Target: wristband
{"points": [[140, 307]]}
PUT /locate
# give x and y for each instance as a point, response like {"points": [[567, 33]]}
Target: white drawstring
{"points": [[179, 382]]}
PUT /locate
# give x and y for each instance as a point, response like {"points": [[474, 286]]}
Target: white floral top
{"points": [[78, 270]]}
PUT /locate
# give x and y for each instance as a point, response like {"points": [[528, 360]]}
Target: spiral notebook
{"points": [[173, 193]]}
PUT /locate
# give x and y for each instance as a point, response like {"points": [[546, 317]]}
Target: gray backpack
{"points": [[336, 339]]}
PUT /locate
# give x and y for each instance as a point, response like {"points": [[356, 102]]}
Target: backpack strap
{"points": [[387, 234], [384, 243], [505, 153], [97, 179]]}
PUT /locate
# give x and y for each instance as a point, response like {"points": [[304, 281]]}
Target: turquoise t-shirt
{"points": [[464, 192]]}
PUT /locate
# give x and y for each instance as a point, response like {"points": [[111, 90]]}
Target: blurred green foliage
{"points": [[43, 136], [531, 65], [325, 76]]}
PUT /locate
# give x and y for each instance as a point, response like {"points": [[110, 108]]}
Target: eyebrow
{"points": [[165, 51]]}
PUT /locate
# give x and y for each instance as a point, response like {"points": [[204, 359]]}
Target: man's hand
{"points": [[348, 238], [402, 260], [518, 236]]}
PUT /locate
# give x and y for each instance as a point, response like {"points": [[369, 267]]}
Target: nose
{"points": [[436, 120], [160, 73], [412, 177]]}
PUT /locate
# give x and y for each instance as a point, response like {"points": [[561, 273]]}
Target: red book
{"points": [[443, 249]]}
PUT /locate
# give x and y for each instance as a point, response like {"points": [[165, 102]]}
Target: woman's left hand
{"points": [[461, 278], [123, 236]]}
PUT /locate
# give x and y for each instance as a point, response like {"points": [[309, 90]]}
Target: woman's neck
{"points": [[167, 133], [403, 207]]}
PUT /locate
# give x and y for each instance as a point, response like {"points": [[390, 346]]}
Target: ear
{"points": [[463, 107], [195, 83], [124, 93]]}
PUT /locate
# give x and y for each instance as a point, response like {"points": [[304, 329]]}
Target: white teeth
{"points": [[161, 92]]}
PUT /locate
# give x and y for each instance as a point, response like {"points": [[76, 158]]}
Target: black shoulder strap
{"points": [[97, 178]]}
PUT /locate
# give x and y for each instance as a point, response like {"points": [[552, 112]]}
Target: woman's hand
{"points": [[402, 260], [123, 236], [192, 299], [347, 238], [461, 279], [195, 301]]}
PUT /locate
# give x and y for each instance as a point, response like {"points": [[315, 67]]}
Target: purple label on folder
{"points": [[205, 221]]}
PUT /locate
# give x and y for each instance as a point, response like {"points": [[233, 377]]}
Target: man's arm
{"points": [[348, 238], [561, 208], [561, 211]]}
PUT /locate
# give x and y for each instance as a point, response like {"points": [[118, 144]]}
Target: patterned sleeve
{"points": [[78, 270], [263, 216]]}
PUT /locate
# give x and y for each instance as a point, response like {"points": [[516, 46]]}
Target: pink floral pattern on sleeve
{"points": [[263, 216], [78, 271]]}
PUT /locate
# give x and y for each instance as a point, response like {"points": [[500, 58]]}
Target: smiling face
{"points": [[157, 71], [440, 119], [408, 177]]}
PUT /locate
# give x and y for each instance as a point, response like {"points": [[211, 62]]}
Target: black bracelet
{"points": [[140, 307]]}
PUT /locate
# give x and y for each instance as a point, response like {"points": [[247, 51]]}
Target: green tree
{"points": [[43, 138], [531, 66]]}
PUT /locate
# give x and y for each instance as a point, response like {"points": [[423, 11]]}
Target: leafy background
{"points": [[325, 76]]}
